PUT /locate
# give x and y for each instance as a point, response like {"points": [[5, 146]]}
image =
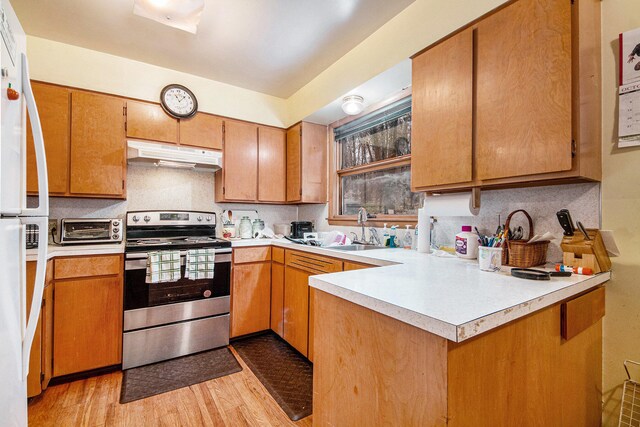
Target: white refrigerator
{"points": [[16, 330]]}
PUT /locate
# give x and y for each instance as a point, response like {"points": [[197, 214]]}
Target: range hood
{"points": [[163, 155]]}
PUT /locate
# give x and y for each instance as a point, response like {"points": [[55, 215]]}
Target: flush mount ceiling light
{"points": [[353, 104], [182, 14]]}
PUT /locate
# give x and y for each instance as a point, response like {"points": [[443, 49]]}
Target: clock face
{"points": [[178, 101]]}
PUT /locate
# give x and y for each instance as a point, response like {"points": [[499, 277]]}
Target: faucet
{"points": [[374, 239], [362, 220]]}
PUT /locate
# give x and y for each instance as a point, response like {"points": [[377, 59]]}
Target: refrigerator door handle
{"points": [[38, 142], [38, 288]]}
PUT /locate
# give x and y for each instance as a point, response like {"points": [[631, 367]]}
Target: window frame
{"points": [[335, 173]]}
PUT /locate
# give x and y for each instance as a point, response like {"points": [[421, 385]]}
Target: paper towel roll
{"points": [[424, 228], [456, 204]]}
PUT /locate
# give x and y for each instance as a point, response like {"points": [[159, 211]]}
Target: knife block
{"points": [[579, 252]]}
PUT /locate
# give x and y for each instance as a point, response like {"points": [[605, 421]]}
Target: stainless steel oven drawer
{"points": [[172, 313], [166, 342]]}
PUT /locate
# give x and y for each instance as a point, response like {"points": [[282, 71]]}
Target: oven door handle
{"points": [[138, 261], [143, 255]]}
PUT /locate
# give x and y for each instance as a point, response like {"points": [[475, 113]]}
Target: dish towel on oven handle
{"points": [[200, 264], [163, 266]]}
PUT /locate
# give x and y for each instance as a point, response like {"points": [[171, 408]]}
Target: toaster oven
{"points": [[83, 231]]}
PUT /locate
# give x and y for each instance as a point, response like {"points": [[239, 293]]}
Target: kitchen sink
{"points": [[355, 247]]}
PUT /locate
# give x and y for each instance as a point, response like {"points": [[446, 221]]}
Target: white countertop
{"points": [[77, 250], [449, 297]]}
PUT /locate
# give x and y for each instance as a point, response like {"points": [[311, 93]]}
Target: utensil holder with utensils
{"points": [[519, 253], [580, 252]]}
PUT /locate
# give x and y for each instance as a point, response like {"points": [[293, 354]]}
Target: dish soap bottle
{"points": [[385, 236], [467, 243], [407, 241], [393, 237]]}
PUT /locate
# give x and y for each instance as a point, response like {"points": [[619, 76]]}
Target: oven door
{"points": [[139, 294]]}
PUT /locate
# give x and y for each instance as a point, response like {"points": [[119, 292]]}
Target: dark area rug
{"points": [[149, 380], [286, 374]]}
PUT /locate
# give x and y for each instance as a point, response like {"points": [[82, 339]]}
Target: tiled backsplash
{"points": [[151, 188], [164, 188], [583, 200]]}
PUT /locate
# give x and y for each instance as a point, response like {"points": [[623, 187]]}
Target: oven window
{"points": [[139, 294], [87, 231]]}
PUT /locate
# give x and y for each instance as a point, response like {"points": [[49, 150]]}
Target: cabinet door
{"points": [[149, 121], [47, 328], [442, 113], [34, 387], [240, 161], [202, 130], [272, 168], [250, 298], [87, 331], [314, 163], [53, 108], [312, 294], [524, 90], [296, 309], [277, 298], [294, 163], [98, 155]]}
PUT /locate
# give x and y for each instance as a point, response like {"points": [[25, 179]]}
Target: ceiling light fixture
{"points": [[353, 104], [182, 14]]}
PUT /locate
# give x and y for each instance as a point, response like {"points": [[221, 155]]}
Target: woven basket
{"points": [[519, 253]]}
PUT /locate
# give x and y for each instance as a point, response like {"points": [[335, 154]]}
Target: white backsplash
{"points": [[151, 188], [175, 189], [542, 203]]}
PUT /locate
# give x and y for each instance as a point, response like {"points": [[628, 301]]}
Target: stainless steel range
{"points": [[171, 319]]}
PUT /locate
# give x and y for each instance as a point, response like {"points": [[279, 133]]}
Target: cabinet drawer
{"points": [[312, 263], [259, 254], [580, 313], [105, 265], [350, 265], [277, 254]]}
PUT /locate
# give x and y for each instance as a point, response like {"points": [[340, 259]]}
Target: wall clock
{"points": [[178, 101]]}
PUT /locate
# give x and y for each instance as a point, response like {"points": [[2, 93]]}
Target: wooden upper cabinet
{"points": [[240, 167], [149, 121], [524, 117], [98, 155], [203, 131], [272, 167], [54, 109], [294, 163], [442, 113], [307, 163]]}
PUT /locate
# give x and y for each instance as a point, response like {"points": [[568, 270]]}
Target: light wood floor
{"points": [[235, 400]]}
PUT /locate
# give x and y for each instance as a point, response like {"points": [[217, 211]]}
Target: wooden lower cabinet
{"points": [[41, 350], [296, 308], [298, 297], [522, 373], [87, 327], [250, 298], [277, 298]]}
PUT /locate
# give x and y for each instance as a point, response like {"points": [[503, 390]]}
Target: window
{"points": [[371, 166]]}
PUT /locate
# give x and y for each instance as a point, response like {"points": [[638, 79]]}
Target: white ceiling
{"points": [[271, 46]]}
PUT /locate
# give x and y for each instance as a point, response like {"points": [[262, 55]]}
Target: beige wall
{"points": [[74, 66], [620, 208]]}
